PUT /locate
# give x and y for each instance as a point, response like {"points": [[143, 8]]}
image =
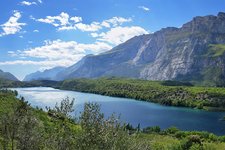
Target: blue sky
{"points": [[41, 34]]}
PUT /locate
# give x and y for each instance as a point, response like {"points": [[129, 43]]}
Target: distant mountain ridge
{"points": [[7, 76], [49, 74], [194, 52]]}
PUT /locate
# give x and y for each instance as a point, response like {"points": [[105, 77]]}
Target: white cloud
{"points": [[115, 21], [36, 31], [56, 53], [26, 3], [120, 34], [94, 26], [66, 28], [42, 64], [40, 1], [65, 22], [31, 17], [61, 20], [94, 35], [144, 8], [12, 26], [53, 50], [76, 19]]}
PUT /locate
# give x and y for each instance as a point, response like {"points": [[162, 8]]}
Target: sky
{"points": [[41, 34]]}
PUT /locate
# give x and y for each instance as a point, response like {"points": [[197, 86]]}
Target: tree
{"points": [[66, 107], [29, 133], [19, 128], [63, 137], [101, 133]]}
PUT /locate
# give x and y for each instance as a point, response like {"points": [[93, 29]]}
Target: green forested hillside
{"points": [[172, 93], [164, 92], [23, 127], [4, 83]]}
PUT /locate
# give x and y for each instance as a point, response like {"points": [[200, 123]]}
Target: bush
{"points": [[191, 142], [172, 130], [155, 129]]}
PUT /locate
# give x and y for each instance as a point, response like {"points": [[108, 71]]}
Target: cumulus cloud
{"points": [[94, 26], [65, 22], [26, 3], [119, 34], [56, 53], [12, 26], [115, 21], [76, 19], [58, 49], [61, 20], [144, 8]]}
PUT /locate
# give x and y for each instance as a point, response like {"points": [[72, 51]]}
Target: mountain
{"points": [[45, 75], [8, 76], [116, 62], [193, 52]]}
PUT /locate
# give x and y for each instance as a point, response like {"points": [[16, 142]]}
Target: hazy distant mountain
{"points": [[68, 72], [49, 74], [8, 76], [194, 52]]}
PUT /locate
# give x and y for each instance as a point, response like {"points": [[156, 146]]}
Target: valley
{"points": [[131, 89]]}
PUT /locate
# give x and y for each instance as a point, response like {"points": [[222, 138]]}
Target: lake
{"points": [[131, 111]]}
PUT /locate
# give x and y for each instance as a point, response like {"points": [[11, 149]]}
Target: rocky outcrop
{"points": [[184, 51]]}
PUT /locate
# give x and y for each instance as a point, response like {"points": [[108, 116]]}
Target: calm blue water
{"points": [[134, 112]]}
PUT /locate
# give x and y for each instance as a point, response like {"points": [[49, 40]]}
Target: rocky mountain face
{"points": [[49, 74], [188, 51], [194, 52], [7, 76]]}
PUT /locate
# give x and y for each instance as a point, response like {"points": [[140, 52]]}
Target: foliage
{"points": [[4, 83], [23, 127], [101, 133], [155, 129], [65, 107], [176, 83], [18, 127], [215, 50], [166, 92]]}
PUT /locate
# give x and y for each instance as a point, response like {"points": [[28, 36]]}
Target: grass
{"points": [[216, 50], [160, 142]]}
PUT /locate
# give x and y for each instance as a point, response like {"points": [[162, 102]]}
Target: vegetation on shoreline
{"points": [[4, 83], [169, 93], [23, 127]]}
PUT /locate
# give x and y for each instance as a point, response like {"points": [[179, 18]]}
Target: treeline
{"points": [[24, 128], [169, 93], [4, 83]]}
